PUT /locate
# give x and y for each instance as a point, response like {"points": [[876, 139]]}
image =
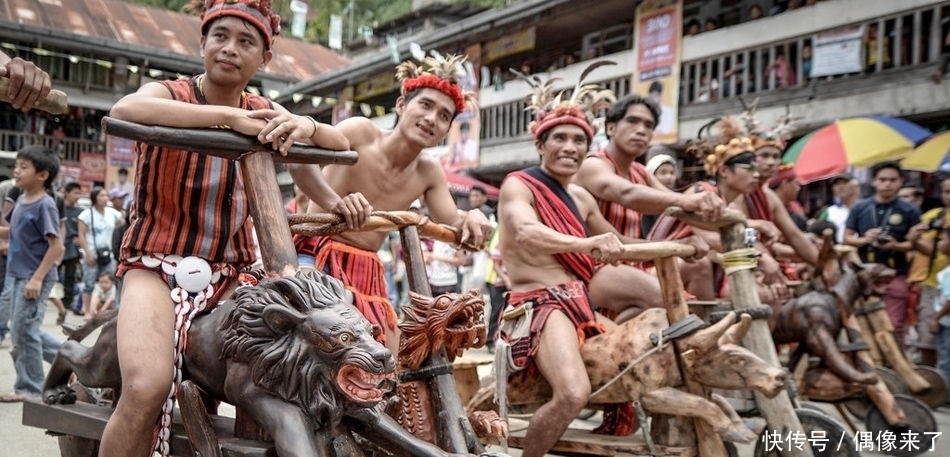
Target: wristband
{"points": [[316, 126]]}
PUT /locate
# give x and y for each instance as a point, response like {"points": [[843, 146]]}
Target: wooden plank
{"points": [[86, 420], [580, 441]]}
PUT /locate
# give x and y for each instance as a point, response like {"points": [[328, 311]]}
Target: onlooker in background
{"points": [[96, 225], [693, 28], [710, 25], [117, 198], [387, 255], [71, 265], [498, 284], [103, 296], [926, 262], [123, 187], [667, 115], [35, 246], [944, 60], [663, 168], [28, 85], [913, 195], [780, 72], [755, 12], [940, 322], [5, 310], [806, 62], [478, 199], [785, 185], [845, 190], [871, 49], [442, 262], [878, 227]]}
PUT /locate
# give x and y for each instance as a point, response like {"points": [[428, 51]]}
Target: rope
{"points": [[739, 259], [660, 345]]}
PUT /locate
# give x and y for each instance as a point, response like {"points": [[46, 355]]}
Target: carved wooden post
{"points": [[778, 411], [276, 241], [452, 424], [709, 443]]}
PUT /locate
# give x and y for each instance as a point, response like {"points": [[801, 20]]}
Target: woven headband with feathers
{"points": [[588, 98], [447, 68]]}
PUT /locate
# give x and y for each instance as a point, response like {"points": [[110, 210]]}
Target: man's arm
{"points": [[354, 207], [598, 177], [793, 236], [473, 225], [519, 214]]}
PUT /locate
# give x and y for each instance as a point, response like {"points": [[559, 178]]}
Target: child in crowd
{"points": [[103, 296], [35, 246], [940, 324]]}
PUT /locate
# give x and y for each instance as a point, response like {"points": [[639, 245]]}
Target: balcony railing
{"points": [[68, 148]]}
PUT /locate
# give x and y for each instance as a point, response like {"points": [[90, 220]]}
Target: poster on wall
{"points": [[121, 151], [93, 166], [462, 149], [659, 27], [838, 52]]}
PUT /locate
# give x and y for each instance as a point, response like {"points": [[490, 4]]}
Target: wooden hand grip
{"points": [[652, 251], [729, 217], [55, 102], [326, 224]]}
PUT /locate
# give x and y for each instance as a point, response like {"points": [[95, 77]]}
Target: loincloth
{"points": [[360, 271], [570, 298]]}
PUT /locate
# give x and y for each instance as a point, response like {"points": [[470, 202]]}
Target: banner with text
{"points": [[838, 52], [462, 151], [659, 27]]}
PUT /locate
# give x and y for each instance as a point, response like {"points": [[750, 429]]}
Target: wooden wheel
{"points": [[920, 422], [816, 425], [936, 396]]}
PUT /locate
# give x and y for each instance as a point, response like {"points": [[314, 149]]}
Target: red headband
{"points": [[255, 12], [562, 115], [786, 172], [434, 82]]}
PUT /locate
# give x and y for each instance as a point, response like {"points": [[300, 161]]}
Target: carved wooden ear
{"points": [[420, 300], [281, 319], [736, 331], [706, 338]]}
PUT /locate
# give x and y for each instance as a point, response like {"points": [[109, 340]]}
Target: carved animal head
{"points": [[717, 359], [863, 280], [453, 321], [306, 344]]}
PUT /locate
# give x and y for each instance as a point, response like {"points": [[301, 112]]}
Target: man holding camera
{"points": [[878, 227], [926, 262]]}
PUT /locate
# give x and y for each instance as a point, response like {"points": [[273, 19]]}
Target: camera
{"points": [[935, 224], [884, 236]]}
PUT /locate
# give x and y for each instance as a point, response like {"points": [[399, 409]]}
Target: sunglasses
{"points": [[748, 166]]}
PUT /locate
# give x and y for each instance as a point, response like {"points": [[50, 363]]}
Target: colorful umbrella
{"points": [[854, 142], [931, 155]]}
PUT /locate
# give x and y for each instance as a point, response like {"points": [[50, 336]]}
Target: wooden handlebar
{"points": [[326, 224], [55, 102], [221, 142], [652, 251]]}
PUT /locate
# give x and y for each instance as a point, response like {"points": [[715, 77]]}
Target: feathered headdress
{"points": [[256, 12], [552, 109], [438, 72], [727, 143], [761, 137]]}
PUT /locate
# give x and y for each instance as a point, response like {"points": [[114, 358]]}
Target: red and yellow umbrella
{"points": [[853, 142]]}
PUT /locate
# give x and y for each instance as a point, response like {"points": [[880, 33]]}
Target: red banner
{"points": [[93, 166], [659, 27]]}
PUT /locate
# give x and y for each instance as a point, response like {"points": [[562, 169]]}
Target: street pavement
{"points": [[17, 440]]}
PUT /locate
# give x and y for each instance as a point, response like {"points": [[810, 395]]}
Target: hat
{"points": [[658, 160], [550, 111], [255, 12], [116, 192], [438, 72], [786, 172], [847, 177], [726, 152]]}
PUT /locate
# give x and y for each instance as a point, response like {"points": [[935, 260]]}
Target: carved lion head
{"points": [[305, 343]]}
